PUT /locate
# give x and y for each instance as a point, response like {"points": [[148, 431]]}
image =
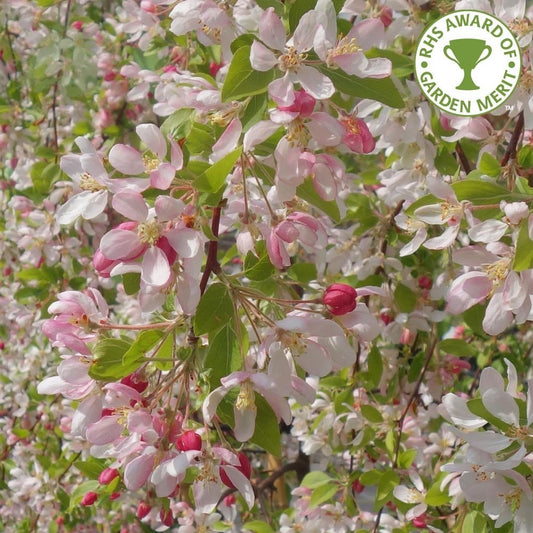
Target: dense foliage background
{"points": [[252, 280]]}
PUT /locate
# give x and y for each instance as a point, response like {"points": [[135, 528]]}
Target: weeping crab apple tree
{"points": [[253, 281]]}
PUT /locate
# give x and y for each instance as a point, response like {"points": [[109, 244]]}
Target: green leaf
{"points": [[131, 282], [303, 272], [254, 111], [223, 355], [179, 124], [213, 178], [457, 347], [375, 367], [445, 163], [474, 319], [434, 496], [80, 491], [298, 9], [315, 479], [371, 414], [323, 494], [107, 365], [406, 458], [475, 521], [523, 259], [44, 175], [477, 408], [91, 468], [525, 156], [388, 481], [276, 4], [405, 298], [258, 527], [258, 269], [145, 341], [214, 310], [266, 434], [415, 367], [490, 165], [242, 80], [381, 89], [307, 192], [371, 477]]}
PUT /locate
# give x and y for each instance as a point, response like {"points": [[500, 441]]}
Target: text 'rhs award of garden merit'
{"points": [[468, 63]]}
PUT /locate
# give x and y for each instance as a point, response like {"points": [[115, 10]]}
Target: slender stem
{"points": [[462, 158], [414, 393], [510, 153], [156, 325], [211, 264]]}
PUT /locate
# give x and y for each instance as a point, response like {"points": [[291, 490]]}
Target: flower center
{"points": [[224, 116], [214, 33], [513, 499], [450, 212], [150, 161], [497, 272], [526, 82], [520, 433], [520, 26], [344, 46], [351, 125], [297, 133], [149, 232], [88, 183], [291, 60], [246, 398]]}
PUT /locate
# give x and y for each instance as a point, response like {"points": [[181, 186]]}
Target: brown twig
{"points": [[212, 264], [462, 158], [429, 353], [510, 153]]}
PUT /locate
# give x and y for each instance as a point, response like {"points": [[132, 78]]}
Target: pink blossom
{"points": [[130, 161]]}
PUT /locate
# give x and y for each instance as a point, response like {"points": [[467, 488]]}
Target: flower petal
{"points": [[126, 159], [130, 204], [151, 135], [155, 267]]}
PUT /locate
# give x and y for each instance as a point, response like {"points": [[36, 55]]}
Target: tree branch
{"points": [[211, 264], [510, 153]]}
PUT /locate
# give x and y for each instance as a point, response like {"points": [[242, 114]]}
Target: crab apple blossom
{"points": [[340, 298], [253, 279]]}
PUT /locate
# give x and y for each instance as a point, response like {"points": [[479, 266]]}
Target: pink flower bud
{"points": [[358, 487], [304, 104], [167, 518], [190, 440], [425, 282], [339, 299], [135, 382], [386, 16], [143, 509], [107, 475], [214, 68], [102, 264], [229, 500], [114, 496], [89, 498], [420, 522], [77, 25], [245, 468]]}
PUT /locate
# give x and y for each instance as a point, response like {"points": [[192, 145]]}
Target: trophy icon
{"points": [[467, 53]]}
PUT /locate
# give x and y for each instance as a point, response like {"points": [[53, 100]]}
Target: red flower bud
{"points": [[190, 440], [114, 495], [107, 475], [340, 299], [358, 487], [245, 467], [143, 509], [166, 517], [425, 282], [89, 498], [135, 382]]}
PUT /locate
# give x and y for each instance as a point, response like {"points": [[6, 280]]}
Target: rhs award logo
{"points": [[467, 63]]}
